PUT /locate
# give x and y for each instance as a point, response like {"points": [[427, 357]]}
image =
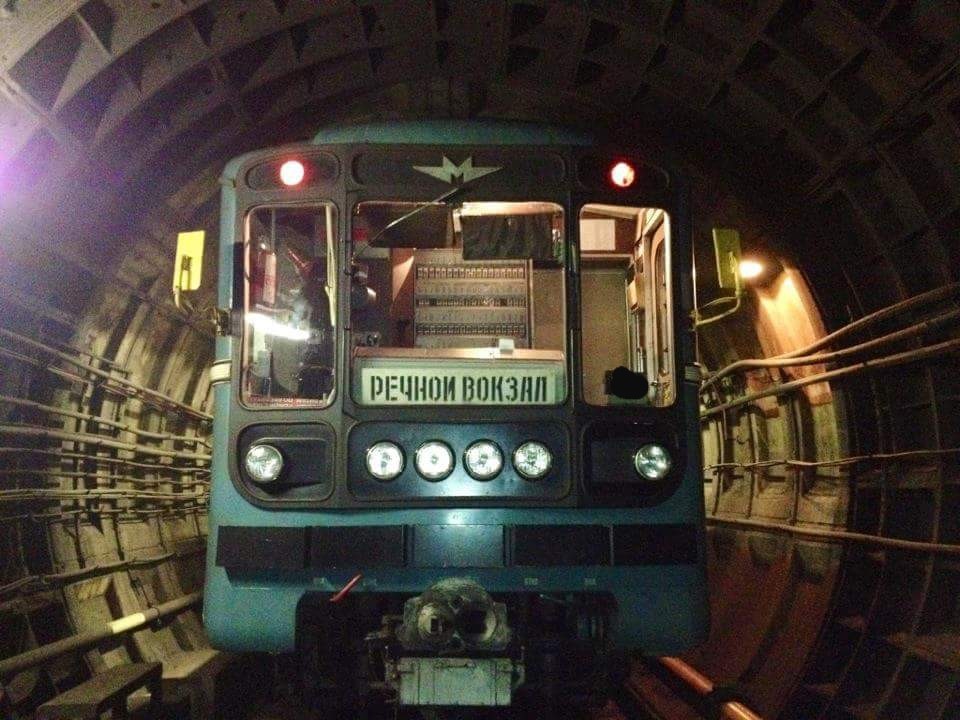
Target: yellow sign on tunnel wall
{"points": [[188, 265]]}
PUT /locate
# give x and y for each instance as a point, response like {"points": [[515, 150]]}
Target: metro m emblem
{"points": [[456, 174]]}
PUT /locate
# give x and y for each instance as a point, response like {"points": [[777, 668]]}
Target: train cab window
{"points": [[625, 296], [459, 305], [290, 306]]}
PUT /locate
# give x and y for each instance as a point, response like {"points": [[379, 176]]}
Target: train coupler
{"points": [[454, 681], [451, 648]]}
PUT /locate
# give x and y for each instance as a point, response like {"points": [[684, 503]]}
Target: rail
{"points": [[704, 687], [56, 581], [920, 328], [176, 511], [106, 460], [106, 422]]}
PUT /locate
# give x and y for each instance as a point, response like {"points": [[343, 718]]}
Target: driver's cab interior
{"points": [[485, 280]]}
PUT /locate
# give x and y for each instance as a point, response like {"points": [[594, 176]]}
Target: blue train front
{"points": [[457, 452]]}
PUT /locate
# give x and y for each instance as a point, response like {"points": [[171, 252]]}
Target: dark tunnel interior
{"points": [[826, 131]]}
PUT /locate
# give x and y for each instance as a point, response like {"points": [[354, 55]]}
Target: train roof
{"points": [[437, 132], [452, 132]]}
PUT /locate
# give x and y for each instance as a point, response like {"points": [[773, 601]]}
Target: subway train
{"points": [[457, 447]]}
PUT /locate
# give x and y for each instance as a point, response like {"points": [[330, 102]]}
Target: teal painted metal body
{"points": [[661, 608], [447, 132]]}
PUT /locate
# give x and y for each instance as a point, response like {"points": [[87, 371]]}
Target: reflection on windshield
{"points": [[290, 306], [463, 298]]}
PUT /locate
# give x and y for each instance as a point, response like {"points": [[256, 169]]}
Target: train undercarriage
{"points": [[455, 651]]}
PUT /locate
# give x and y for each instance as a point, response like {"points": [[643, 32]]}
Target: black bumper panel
{"points": [[274, 548], [246, 549]]}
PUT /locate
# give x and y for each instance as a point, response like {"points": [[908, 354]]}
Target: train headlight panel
{"points": [[483, 460], [263, 463], [532, 460], [434, 460], [385, 461], [652, 462]]}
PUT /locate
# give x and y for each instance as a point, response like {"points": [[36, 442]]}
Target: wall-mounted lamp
{"points": [[751, 269]]}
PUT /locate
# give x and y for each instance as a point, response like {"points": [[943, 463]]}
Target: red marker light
{"points": [[622, 174], [291, 172]]}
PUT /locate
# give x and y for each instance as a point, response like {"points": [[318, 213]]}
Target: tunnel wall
{"points": [[828, 131]]}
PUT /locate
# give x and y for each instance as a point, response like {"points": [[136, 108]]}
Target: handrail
{"points": [[830, 535], [83, 641], [149, 395], [931, 296], [942, 348], [42, 432]]}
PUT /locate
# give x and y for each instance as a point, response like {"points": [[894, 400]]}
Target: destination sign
{"points": [[459, 386]]}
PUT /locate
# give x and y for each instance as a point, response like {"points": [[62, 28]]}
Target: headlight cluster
{"points": [[434, 460]]}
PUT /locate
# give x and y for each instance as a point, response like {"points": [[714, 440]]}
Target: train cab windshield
{"points": [[626, 306], [459, 305], [290, 300]]}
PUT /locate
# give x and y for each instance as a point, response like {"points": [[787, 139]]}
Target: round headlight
{"points": [[652, 462], [263, 463], [384, 460], [483, 460], [532, 460], [434, 460]]}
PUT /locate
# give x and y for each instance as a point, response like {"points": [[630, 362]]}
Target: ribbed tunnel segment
{"points": [[828, 132]]}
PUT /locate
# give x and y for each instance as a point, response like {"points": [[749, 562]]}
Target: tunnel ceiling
{"points": [[127, 110], [834, 123]]}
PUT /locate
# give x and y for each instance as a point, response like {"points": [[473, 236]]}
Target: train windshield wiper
{"points": [[444, 199]]}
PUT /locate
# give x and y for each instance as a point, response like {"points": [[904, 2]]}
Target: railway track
{"points": [[663, 689]]}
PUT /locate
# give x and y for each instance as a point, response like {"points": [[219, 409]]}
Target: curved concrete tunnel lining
{"points": [[798, 87]]}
